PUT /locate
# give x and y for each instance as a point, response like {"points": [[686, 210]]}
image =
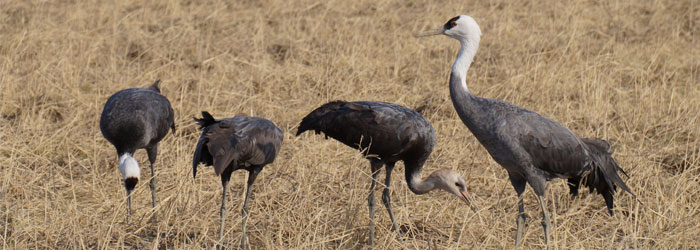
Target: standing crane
{"points": [[230, 144], [386, 133], [133, 119], [532, 148]]}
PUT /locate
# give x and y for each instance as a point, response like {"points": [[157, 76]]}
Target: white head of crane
{"points": [[131, 173], [464, 29]]}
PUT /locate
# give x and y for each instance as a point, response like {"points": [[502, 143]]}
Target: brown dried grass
{"points": [[627, 71]]}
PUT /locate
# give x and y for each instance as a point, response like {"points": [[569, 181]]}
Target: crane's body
{"points": [[386, 133], [133, 119], [532, 148], [230, 144]]}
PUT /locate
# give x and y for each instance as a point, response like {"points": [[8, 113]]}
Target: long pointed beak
{"points": [[432, 32], [467, 198]]}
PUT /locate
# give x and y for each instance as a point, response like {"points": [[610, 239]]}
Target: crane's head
{"points": [[451, 182], [130, 170], [462, 28]]}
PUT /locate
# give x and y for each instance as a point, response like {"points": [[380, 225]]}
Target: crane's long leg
{"points": [[376, 166], [519, 186], [225, 177], [251, 178], [222, 212], [545, 219], [520, 220], [128, 205], [152, 184], [386, 198], [152, 154]]}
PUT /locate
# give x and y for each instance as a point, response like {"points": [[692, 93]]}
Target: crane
{"points": [[386, 133], [133, 119], [230, 144], [532, 148]]}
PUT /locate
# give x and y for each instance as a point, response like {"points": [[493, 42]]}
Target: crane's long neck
{"points": [[415, 183], [465, 103], [129, 167]]}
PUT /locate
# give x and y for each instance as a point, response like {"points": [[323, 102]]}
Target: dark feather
{"points": [[383, 131], [536, 149], [155, 86], [237, 142], [398, 131], [136, 118], [604, 178]]}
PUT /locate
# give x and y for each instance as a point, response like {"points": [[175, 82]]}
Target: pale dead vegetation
{"points": [[626, 71]]}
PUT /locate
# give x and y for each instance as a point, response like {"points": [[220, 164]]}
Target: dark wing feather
{"points": [[221, 142], [556, 152], [155, 86], [362, 124], [607, 165], [552, 148], [201, 154], [311, 120], [259, 140], [136, 118], [240, 140], [215, 145]]}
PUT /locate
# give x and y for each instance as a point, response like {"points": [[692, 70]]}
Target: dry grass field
{"points": [[627, 71]]}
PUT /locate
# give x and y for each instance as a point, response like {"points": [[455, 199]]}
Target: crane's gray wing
{"points": [[155, 86], [359, 123], [201, 154], [167, 116], [258, 140], [600, 149], [245, 140], [552, 148], [216, 147]]}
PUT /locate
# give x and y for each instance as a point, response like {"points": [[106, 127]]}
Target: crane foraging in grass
{"points": [[133, 119], [532, 148], [386, 133], [230, 144]]}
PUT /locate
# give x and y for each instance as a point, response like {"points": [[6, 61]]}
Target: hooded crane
{"points": [[133, 119], [230, 144], [532, 148], [386, 133]]}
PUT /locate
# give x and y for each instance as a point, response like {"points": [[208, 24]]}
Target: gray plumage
{"points": [[230, 144], [137, 118], [535, 149], [385, 133], [532, 148], [388, 131]]}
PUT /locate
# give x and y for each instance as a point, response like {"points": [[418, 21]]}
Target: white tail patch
{"points": [[129, 167]]}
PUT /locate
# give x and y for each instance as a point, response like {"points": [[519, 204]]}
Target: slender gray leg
{"points": [[244, 213], [545, 219], [152, 153], [520, 220], [152, 184], [387, 199], [221, 213], [519, 186], [128, 205], [376, 166]]}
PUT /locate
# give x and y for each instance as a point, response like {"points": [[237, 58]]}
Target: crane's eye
{"points": [[457, 184], [452, 24]]}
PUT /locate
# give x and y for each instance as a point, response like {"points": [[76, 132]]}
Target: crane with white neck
{"points": [[532, 148], [133, 119]]}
